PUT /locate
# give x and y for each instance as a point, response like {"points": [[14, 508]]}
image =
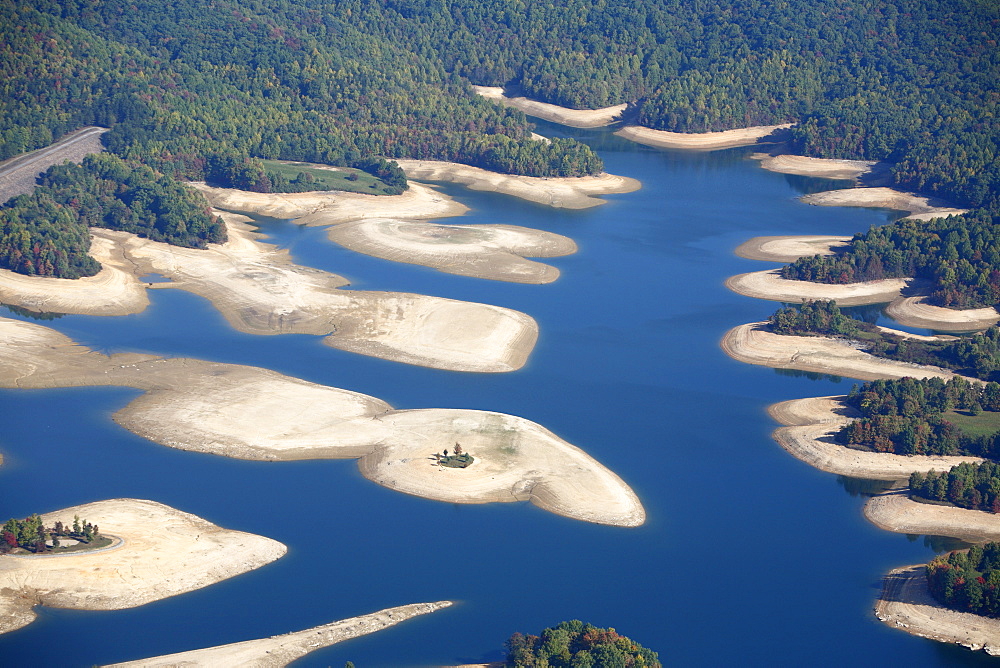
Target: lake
{"points": [[748, 556]]}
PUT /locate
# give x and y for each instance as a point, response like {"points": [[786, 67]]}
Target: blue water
{"points": [[749, 557]]}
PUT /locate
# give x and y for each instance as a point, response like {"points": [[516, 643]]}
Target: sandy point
{"points": [[699, 141], [278, 651], [809, 435], [917, 206], [165, 552], [515, 460], [494, 252], [907, 605], [576, 118], [916, 312], [821, 167], [570, 192], [769, 284], [896, 511], [788, 248], [754, 344]]}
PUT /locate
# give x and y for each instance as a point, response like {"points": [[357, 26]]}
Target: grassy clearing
{"points": [[984, 424], [344, 178]]}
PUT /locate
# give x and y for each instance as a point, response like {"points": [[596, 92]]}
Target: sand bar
{"points": [[916, 312], [769, 284], [917, 206], [569, 192], [820, 167], [808, 435], [576, 118], [165, 552], [896, 511], [753, 344], [906, 604], [788, 248], [699, 141], [481, 251], [252, 413], [278, 651]]}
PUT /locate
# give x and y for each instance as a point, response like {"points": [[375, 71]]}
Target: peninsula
{"points": [[162, 552]]}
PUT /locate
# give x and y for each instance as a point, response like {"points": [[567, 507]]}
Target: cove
{"points": [[748, 557]]}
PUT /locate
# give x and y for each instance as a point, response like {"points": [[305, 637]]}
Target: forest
{"points": [[45, 233], [919, 417], [968, 581], [575, 644], [967, 485]]}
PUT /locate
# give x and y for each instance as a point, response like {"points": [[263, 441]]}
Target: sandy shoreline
{"points": [[915, 312], [810, 425], [752, 344], [165, 552], [769, 284], [906, 604], [252, 413], [570, 192], [699, 141], [576, 118], [819, 167], [895, 511], [916, 206], [278, 651], [788, 248]]}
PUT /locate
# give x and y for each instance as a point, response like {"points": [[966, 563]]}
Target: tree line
{"points": [[968, 581], [575, 644], [32, 535], [967, 485]]}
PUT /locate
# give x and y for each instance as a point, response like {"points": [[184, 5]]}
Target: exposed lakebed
{"points": [[742, 543]]}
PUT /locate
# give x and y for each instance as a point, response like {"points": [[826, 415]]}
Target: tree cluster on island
{"points": [[968, 581], [32, 535], [976, 355], [575, 644], [45, 233], [457, 460]]}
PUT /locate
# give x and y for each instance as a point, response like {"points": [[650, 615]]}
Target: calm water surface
{"points": [[748, 557]]}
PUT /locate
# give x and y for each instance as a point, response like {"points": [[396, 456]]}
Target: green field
{"points": [[327, 179], [984, 424]]}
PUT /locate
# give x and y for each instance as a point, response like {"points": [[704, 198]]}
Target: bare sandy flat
{"points": [[261, 291], [808, 435], [114, 290], [918, 207], [572, 192], [906, 604], [788, 248], [916, 312], [895, 511], [576, 118], [251, 413], [821, 167], [699, 141], [752, 344], [481, 251], [165, 552], [281, 650], [769, 284]]}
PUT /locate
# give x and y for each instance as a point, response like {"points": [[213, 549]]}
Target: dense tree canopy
{"points": [[575, 644], [968, 581]]}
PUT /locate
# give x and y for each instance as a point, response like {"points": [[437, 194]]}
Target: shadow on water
{"points": [[864, 487], [811, 375], [32, 315]]}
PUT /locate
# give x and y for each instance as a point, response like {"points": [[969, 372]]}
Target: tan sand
{"points": [[916, 312], [920, 208], [809, 436], [115, 290], [821, 167], [576, 118], [281, 650], [896, 511], [261, 291], [699, 141], [770, 285], [165, 552], [752, 344], [251, 413], [481, 251], [788, 248], [574, 192], [906, 604]]}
